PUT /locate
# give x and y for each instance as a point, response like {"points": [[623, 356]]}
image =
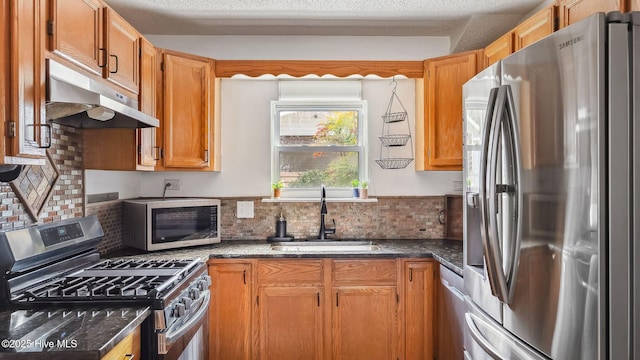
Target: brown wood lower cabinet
{"points": [[419, 277], [364, 322], [322, 309], [290, 323], [230, 310], [127, 348]]}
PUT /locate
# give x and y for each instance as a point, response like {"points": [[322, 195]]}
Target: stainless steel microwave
{"points": [[157, 224]]}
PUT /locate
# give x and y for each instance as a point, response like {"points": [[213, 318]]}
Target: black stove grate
{"points": [[95, 288]]}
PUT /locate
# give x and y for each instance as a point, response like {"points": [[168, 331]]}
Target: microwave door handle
{"points": [[493, 251], [170, 336], [515, 187]]}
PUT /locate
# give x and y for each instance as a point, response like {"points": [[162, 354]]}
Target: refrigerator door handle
{"points": [[488, 199], [515, 189]]}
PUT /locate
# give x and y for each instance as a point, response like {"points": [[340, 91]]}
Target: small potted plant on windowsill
{"points": [[364, 190], [277, 187], [356, 190]]}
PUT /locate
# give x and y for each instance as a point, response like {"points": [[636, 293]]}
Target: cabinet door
{"points": [[535, 28], [123, 52], [364, 323], [27, 91], [499, 49], [419, 304], [445, 77], [127, 348], [77, 33], [188, 111], [147, 151], [230, 311], [572, 11], [290, 323]]}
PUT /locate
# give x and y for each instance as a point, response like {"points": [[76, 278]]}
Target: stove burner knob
{"points": [[187, 302], [179, 310], [203, 284], [195, 293]]}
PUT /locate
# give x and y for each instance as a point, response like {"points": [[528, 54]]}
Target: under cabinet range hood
{"points": [[79, 101]]}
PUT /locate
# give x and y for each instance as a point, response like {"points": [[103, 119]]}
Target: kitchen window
{"points": [[318, 142]]}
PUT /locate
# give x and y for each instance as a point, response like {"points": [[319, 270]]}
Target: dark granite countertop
{"points": [[78, 333], [447, 252]]}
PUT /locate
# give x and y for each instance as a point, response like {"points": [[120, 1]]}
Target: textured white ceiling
{"points": [[463, 20]]}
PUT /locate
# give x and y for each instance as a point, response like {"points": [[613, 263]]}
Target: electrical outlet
{"points": [[245, 209], [172, 184], [457, 186]]}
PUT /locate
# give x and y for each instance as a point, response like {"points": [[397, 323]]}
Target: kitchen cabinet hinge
{"points": [[140, 52], [50, 27], [398, 298], [140, 149], [11, 128], [258, 300], [162, 66], [162, 153]]}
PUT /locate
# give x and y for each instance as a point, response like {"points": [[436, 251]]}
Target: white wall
{"points": [[245, 109], [307, 47]]}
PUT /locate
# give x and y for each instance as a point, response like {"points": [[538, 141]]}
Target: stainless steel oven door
{"points": [[188, 339]]}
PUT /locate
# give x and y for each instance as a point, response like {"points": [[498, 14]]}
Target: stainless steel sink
{"points": [[325, 246]]}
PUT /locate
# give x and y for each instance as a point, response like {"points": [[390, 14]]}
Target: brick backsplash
{"points": [[109, 214], [67, 197], [389, 218]]}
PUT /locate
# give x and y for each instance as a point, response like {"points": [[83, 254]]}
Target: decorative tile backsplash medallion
{"points": [[66, 198], [34, 186]]}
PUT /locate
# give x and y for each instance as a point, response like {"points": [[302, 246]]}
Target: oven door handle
{"points": [[166, 339]]}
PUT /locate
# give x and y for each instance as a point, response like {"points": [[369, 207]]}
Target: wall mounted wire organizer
{"points": [[393, 139]]}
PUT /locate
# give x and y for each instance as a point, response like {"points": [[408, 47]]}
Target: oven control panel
{"points": [[62, 233]]}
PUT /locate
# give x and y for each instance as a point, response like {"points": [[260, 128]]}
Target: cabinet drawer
{"points": [[290, 272], [368, 271]]}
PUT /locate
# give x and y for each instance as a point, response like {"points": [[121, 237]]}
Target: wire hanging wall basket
{"points": [[393, 116]]}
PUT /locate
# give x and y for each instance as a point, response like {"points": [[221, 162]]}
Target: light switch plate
{"points": [[245, 210], [457, 186]]}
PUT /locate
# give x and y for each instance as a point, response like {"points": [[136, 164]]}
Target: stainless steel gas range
{"points": [[57, 266]]}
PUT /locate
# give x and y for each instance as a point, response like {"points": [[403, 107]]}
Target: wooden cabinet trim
{"points": [[297, 68]]}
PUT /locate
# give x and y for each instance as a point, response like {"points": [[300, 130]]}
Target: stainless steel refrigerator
{"points": [[551, 162]]}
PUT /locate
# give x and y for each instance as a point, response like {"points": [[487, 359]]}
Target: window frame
{"points": [[278, 106]]}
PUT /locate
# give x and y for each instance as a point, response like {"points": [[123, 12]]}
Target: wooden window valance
{"points": [[299, 68]]}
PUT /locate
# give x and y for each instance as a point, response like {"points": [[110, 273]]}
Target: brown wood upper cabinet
{"points": [[23, 133], [128, 149], [94, 37], [186, 135], [439, 134], [499, 49], [146, 137], [536, 27], [572, 11]]}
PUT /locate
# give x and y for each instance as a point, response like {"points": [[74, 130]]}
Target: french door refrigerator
{"points": [[551, 164]]}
